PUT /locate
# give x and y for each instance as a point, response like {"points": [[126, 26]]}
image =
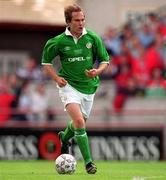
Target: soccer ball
{"points": [[65, 164]]}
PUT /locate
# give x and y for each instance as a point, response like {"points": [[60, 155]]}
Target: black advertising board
{"points": [[111, 142]]}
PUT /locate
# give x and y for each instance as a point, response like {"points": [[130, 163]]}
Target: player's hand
{"points": [[91, 73], [61, 81]]}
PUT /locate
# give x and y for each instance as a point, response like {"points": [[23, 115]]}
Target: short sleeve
{"points": [[101, 52], [50, 51]]}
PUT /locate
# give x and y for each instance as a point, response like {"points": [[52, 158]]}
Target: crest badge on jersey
{"points": [[89, 45]]}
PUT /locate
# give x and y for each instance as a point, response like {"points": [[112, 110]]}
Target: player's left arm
{"points": [[102, 55], [97, 71]]}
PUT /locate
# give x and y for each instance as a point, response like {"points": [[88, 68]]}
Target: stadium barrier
{"points": [[111, 140]]}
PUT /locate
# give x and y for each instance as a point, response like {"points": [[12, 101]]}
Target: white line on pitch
{"points": [[149, 177]]}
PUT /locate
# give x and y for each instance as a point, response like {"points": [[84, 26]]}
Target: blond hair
{"points": [[69, 10]]}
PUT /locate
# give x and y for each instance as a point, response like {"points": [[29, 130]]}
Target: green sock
{"points": [[83, 143], [68, 132]]}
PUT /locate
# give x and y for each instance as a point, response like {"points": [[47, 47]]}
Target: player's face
{"points": [[77, 23]]}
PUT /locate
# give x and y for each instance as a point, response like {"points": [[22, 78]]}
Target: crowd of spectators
{"points": [[23, 95], [138, 68], [138, 53]]}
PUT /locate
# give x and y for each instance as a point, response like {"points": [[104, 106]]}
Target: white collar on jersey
{"points": [[68, 33]]}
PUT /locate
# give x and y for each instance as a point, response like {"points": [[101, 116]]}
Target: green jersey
{"points": [[76, 56]]}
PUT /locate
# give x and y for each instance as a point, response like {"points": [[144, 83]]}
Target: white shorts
{"points": [[68, 94]]}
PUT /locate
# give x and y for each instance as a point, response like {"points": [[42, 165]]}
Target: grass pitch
{"points": [[107, 170]]}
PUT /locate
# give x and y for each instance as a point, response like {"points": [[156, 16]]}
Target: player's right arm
{"points": [[52, 73], [50, 51]]}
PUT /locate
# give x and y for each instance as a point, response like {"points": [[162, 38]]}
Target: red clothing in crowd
{"points": [[162, 30], [143, 68], [157, 83], [5, 106], [140, 71], [122, 82], [153, 59]]}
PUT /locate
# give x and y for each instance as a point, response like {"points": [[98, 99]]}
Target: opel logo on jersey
{"points": [[89, 45], [76, 59]]}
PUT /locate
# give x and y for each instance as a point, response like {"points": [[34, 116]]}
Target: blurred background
{"points": [[129, 113]]}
